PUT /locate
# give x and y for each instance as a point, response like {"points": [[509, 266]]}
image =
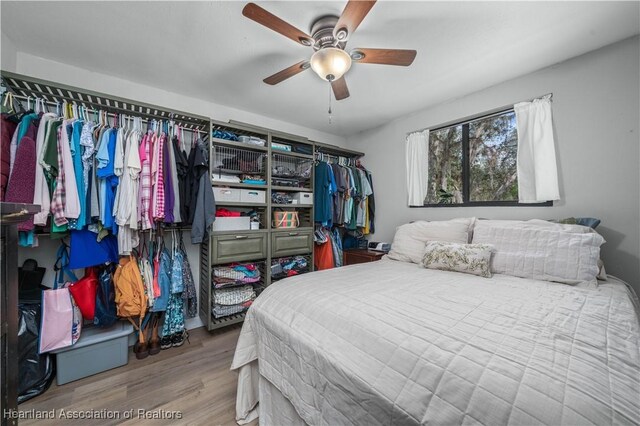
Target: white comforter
{"points": [[392, 343]]}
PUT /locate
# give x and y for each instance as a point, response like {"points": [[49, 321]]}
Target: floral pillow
{"points": [[467, 258]]}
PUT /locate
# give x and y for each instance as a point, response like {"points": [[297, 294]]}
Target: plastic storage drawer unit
{"points": [[97, 350]]}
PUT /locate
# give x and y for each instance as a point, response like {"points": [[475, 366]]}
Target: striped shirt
{"points": [[145, 183]]}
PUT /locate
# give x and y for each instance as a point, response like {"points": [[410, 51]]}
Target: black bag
{"points": [[29, 281], [36, 372], [105, 315]]}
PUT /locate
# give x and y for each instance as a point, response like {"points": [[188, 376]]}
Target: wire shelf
{"points": [[237, 161], [284, 166]]}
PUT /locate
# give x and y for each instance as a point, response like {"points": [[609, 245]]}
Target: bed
{"points": [[393, 343], [464, 322]]}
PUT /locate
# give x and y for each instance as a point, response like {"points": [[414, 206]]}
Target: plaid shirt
{"points": [[57, 201], [159, 184], [145, 183]]}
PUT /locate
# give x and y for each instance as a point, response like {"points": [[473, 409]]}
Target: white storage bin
{"points": [[231, 224], [305, 198], [253, 196], [226, 194]]}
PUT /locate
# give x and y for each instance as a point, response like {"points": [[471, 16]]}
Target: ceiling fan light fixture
{"points": [[357, 55], [330, 63]]}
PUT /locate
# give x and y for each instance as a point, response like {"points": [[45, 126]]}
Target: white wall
{"points": [[9, 53], [596, 111], [34, 66]]}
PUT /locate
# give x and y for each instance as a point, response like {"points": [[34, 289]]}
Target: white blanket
{"points": [[392, 343]]}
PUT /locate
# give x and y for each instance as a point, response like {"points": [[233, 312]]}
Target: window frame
{"points": [[466, 169]]}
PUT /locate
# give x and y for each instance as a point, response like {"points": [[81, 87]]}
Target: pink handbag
{"points": [[61, 318]]}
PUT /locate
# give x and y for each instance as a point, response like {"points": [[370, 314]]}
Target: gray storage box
{"points": [[253, 196], [226, 194], [304, 198], [240, 223], [97, 350]]}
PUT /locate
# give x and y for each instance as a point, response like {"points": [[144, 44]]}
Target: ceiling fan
{"points": [[329, 36]]}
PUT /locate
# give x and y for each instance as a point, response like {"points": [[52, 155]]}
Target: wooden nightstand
{"points": [[353, 256]]}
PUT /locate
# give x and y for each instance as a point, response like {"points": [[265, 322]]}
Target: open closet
{"points": [[344, 204], [116, 184]]}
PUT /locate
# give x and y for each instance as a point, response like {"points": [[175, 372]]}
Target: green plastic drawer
{"points": [[287, 243], [238, 247]]}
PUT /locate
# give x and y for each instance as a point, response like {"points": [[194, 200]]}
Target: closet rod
{"points": [[143, 231], [24, 85], [110, 114]]}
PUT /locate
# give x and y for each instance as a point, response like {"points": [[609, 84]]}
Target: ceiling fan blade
{"points": [[400, 57], [340, 89], [271, 21], [352, 15], [286, 73]]}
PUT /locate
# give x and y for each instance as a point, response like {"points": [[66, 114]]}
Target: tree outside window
{"points": [[474, 162]]}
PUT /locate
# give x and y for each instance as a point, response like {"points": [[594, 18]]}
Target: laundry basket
{"points": [[286, 219]]}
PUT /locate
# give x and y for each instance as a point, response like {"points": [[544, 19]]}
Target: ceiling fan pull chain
{"points": [[330, 117]]}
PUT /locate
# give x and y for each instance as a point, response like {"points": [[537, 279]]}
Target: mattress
{"points": [[392, 343]]}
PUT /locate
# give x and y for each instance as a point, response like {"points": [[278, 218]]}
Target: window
{"points": [[474, 163]]}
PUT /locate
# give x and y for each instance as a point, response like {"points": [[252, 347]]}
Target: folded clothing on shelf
{"points": [[224, 134], [281, 198], [234, 296], [288, 266], [227, 276], [294, 183], [221, 177], [303, 149], [253, 179], [252, 140], [222, 212], [220, 311]]}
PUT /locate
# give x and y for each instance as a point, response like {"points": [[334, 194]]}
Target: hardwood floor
{"points": [[193, 379]]}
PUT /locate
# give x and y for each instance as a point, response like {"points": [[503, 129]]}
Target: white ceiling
{"points": [[209, 50]]}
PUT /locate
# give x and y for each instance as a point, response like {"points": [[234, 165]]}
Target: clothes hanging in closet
{"points": [[343, 196], [106, 177]]}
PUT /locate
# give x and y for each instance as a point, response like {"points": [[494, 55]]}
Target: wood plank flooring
{"points": [[194, 379]]}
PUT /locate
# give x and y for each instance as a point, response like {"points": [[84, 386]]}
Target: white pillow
{"points": [[408, 243], [537, 223], [466, 258], [541, 253]]}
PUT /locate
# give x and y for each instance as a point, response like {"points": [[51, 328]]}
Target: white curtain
{"points": [[537, 168], [417, 159]]}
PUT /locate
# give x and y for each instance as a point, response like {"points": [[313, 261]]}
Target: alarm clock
{"points": [[376, 246]]}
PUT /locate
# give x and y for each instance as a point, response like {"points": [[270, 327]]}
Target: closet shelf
{"points": [[240, 204], [238, 185], [241, 232], [225, 321], [236, 144], [292, 154], [289, 189], [296, 206], [299, 229]]}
